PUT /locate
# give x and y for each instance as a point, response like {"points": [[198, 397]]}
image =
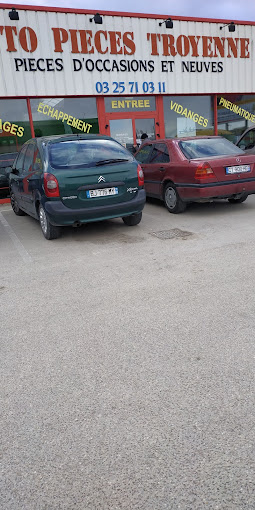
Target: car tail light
{"points": [[50, 183], [204, 171], [140, 175]]}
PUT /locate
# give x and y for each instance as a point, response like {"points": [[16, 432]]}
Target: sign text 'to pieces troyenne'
{"points": [[118, 43], [125, 56]]}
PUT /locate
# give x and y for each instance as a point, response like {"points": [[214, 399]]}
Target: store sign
{"points": [[46, 109], [195, 117], [10, 128], [40, 58], [237, 109], [126, 104]]}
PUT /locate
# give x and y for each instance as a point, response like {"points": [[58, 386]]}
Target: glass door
{"points": [[128, 118], [122, 131], [128, 132], [144, 126]]}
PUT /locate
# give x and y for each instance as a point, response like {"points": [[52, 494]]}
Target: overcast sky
{"points": [[222, 9]]}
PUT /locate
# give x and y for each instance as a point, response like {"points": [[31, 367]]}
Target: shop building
{"points": [[122, 74]]}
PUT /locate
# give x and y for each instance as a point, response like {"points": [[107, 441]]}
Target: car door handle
{"points": [[162, 168]]}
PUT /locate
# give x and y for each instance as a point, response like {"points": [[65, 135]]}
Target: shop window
{"points": [[236, 112], [58, 116], [188, 116], [130, 104], [14, 128]]}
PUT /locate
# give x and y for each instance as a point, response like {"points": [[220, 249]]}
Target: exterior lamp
{"points": [[13, 14], [97, 19], [231, 26], [168, 22]]}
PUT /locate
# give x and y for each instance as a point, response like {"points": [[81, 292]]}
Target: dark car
{"points": [[6, 160], [75, 179], [247, 141], [196, 169]]}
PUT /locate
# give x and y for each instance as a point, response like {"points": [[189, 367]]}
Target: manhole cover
{"points": [[174, 233]]}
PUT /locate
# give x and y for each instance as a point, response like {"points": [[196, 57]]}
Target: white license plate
{"points": [[240, 169], [105, 192]]}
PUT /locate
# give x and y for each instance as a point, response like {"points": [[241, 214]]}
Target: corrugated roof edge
{"points": [[122, 14]]}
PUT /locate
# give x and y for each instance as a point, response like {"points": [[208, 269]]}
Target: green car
{"points": [[76, 179]]}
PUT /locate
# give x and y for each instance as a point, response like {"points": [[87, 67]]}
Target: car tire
{"points": [[15, 206], [173, 202], [133, 219], [49, 231], [238, 200]]}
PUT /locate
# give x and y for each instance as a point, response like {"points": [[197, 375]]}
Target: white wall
{"points": [[237, 73]]}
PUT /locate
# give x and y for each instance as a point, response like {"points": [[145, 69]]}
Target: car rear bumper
{"points": [[207, 191], [60, 215]]}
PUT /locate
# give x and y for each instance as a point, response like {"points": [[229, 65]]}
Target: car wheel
{"points": [[238, 200], [49, 231], [173, 202], [132, 220], [15, 206]]}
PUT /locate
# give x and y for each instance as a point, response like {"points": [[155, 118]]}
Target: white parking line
{"points": [[18, 245]]}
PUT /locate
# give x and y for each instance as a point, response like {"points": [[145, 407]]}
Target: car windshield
{"points": [[206, 147], [86, 153]]}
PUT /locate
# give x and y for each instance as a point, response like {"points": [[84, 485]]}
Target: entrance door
{"points": [[129, 131], [127, 118], [122, 131], [145, 126]]}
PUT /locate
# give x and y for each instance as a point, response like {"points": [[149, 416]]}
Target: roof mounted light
{"points": [[231, 26], [168, 22], [13, 14], [97, 19]]}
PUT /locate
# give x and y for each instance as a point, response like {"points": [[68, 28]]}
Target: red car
{"points": [[196, 169]]}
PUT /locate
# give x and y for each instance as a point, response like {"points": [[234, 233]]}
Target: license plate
{"points": [[240, 169], [105, 192]]}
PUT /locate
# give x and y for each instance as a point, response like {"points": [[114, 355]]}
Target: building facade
{"points": [[70, 71]]}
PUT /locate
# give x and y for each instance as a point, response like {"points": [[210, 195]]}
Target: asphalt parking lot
{"points": [[127, 362]]}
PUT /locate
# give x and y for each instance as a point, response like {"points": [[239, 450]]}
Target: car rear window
{"points": [[86, 153], [206, 147]]}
